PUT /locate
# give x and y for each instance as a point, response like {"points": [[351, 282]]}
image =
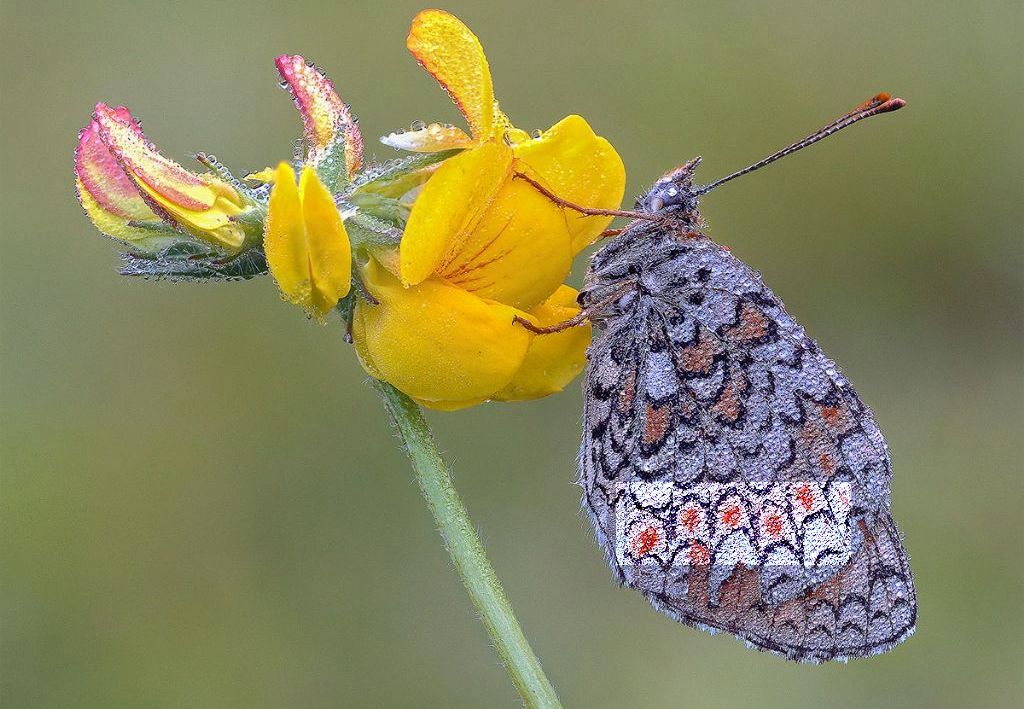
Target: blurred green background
{"points": [[202, 503]]}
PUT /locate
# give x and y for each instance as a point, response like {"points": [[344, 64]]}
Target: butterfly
{"points": [[731, 472]]}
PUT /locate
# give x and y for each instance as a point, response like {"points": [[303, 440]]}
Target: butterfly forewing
{"points": [[731, 472]]}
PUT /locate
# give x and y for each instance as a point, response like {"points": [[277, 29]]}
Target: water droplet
{"points": [[537, 132], [418, 125]]}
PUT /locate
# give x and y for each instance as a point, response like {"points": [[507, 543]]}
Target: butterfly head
{"points": [[674, 194]]}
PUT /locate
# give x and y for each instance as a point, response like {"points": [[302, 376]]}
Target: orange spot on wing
{"points": [[645, 540], [728, 405], [698, 357], [731, 516], [689, 518], [699, 554], [833, 415], [805, 497], [655, 424], [752, 325], [773, 525], [827, 462]]}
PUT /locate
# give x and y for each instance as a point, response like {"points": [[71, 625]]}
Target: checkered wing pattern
{"points": [[731, 472]]}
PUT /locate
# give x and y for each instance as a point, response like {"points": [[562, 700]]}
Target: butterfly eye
{"points": [[657, 204]]}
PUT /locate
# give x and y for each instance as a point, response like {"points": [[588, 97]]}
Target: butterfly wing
{"points": [[868, 607], [732, 474]]}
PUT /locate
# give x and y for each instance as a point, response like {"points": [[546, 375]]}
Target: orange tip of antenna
{"points": [[875, 100]]}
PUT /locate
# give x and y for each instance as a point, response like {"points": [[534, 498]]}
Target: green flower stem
{"points": [[467, 552]]}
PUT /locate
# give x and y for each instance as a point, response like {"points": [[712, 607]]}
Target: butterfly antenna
{"points": [[882, 103]]}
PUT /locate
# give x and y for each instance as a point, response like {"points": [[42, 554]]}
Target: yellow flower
{"points": [[306, 243], [129, 190], [481, 247]]}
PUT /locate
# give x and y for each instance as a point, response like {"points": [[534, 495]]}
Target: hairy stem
{"points": [[467, 552]]}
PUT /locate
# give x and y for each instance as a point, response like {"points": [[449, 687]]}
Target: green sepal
{"points": [[252, 221], [366, 230], [188, 261], [380, 207], [332, 169], [396, 177], [159, 237]]}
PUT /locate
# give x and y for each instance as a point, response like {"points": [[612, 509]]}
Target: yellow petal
{"points": [[147, 237], [449, 206], [578, 166], [387, 257], [435, 342], [429, 139], [452, 54], [285, 238], [553, 360], [213, 223], [519, 252], [265, 176], [305, 241], [330, 255], [516, 135]]}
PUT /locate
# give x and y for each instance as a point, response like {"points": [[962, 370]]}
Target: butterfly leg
{"points": [[581, 317], [588, 211], [576, 321]]}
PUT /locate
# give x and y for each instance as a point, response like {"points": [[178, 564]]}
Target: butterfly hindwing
{"points": [[865, 609], [731, 472]]}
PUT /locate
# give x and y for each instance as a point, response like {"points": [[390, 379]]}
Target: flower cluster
{"points": [[430, 259]]}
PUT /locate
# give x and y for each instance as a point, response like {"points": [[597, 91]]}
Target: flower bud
{"points": [[114, 158]]}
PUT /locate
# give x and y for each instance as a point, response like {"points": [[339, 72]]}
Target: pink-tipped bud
{"points": [[109, 195], [114, 147], [324, 114], [103, 177]]}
